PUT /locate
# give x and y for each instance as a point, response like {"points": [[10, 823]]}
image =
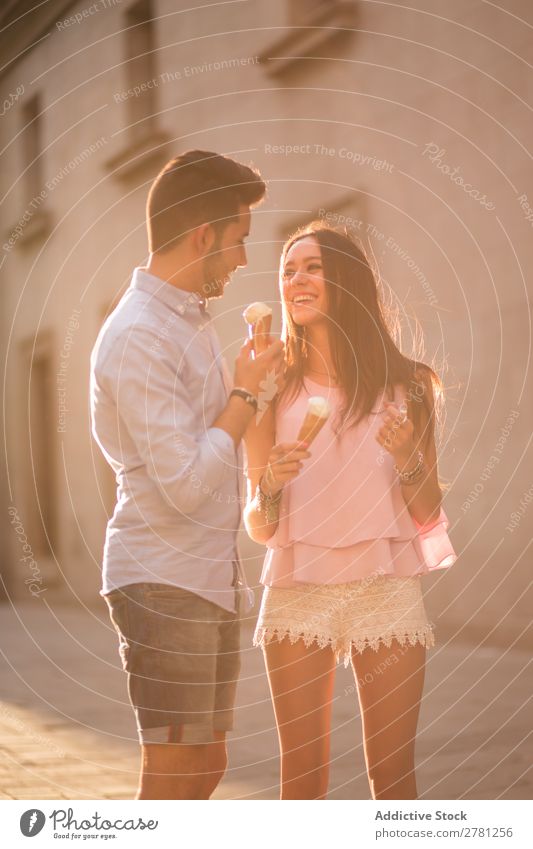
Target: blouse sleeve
{"points": [[434, 542]]}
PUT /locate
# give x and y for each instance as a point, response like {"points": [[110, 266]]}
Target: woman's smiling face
{"points": [[302, 283]]}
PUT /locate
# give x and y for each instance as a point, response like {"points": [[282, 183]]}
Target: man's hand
{"points": [[251, 373]]}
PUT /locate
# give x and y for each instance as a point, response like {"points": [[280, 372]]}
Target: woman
{"points": [[351, 522]]}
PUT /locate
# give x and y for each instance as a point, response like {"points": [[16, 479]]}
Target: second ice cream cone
{"points": [[315, 418]]}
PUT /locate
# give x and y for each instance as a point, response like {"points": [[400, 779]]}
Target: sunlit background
{"points": [[409, 124]]}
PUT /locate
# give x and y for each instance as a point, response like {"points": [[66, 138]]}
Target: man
{"points": [[163, 419]]}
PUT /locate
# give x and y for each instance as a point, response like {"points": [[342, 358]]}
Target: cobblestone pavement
{"points": [[67, 730]]}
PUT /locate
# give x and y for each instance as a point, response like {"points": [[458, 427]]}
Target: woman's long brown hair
{"points": [[366, 358]]}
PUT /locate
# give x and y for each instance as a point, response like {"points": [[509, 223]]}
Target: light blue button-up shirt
{"points": [[158, 381]]}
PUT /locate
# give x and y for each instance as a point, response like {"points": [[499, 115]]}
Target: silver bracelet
{"points": [[414, 480], [414, 474], [267, 504]]}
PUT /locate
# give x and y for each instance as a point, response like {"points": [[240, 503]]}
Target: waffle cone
{"points": [[259, 332], [311, 427]]}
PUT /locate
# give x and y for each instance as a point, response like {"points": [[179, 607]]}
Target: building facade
{"points": [[409, 126]]}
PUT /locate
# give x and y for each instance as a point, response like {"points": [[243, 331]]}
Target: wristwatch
{"points": [[240, 392]]}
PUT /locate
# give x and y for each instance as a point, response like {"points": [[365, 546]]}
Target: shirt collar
{"points": [[178, 300]]}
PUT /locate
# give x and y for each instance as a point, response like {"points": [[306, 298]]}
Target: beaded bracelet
{"points": [[411, 477], [267, 504], [415, 479]]}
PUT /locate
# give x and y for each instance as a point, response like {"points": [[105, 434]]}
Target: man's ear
{"points": [[204, 238]]}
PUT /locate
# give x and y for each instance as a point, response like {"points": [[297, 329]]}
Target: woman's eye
{"points": [[287, 274]]}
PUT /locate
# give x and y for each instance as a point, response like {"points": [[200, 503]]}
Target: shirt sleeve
{"points": [[154, 405]]}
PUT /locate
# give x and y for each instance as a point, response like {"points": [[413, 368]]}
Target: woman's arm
{"points": [[259, 441], [282, 462], [424, 496]]}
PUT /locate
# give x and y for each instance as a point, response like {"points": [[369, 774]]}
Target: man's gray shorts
{"points": [[182, 656]]}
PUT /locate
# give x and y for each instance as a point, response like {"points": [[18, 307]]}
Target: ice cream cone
{"points": [[315, 418], [258, 317], [261, 333]]}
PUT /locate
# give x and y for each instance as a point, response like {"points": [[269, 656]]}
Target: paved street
{"points": [[67, 731]]}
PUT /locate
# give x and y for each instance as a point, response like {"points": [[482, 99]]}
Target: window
{"points": [[142, 148], [300, 11], [33, 217], [31, 148], [39, 415], [316, 29], [140, 66], [347, 211]]}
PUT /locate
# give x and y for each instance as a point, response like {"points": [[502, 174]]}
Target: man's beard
{"points": [[213, 272]]}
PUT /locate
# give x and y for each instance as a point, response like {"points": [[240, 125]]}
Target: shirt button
{"points": [[181, 309]]}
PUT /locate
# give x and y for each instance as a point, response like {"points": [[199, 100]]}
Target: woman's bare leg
{"points": [[301, 684], [390, 683]]}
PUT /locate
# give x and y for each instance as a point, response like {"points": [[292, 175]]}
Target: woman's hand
{"points": [[396, 433], [284, 464]]}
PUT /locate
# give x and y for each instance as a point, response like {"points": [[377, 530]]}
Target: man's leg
{"points": [[182, 771], [181, 653], [217, 761], [172, 771]]}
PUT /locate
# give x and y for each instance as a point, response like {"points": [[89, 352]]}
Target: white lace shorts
{"points": [[356, 615]]}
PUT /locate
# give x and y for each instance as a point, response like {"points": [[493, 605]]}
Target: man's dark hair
{"points": [[198, 187]]}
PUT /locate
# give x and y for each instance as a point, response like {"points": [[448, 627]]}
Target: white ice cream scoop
{"points": [[258, 317], [256, 311], [318, 406], [318, 412]]}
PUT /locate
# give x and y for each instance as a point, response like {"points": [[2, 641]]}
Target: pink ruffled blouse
{"points": [[344, 517]]}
